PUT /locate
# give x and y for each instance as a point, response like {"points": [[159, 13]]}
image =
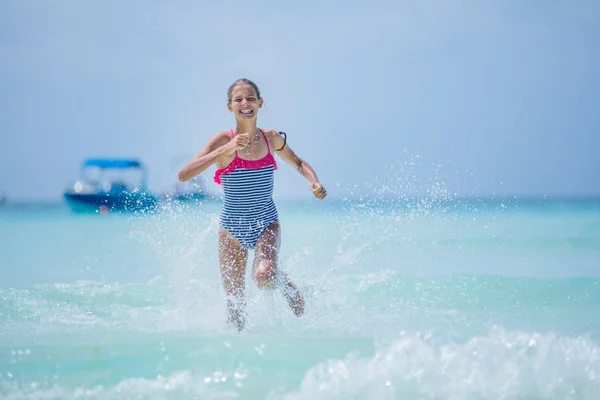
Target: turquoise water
{"points": [[406, 299]]}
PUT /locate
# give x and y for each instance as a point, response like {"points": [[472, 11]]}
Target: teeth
{"points": [[246, 111]]}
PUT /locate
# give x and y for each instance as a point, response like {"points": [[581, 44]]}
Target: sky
{"points": [[480, 98]]}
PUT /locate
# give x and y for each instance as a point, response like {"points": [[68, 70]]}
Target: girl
{"points": [[249, 220]]}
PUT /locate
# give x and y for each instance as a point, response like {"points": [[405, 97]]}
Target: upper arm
{"points": [[214, 142], [196, 165], [286, 153]]}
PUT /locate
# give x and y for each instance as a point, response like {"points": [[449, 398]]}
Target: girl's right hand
{"points": [[238, 142]]}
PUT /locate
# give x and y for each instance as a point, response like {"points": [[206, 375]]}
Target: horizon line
{"points": [[359, 198]]}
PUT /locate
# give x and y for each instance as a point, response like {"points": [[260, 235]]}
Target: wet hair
{"points": [[242, 81]]}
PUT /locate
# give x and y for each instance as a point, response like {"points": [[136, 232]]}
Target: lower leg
{"points": [[233, 258], [291, 293], [236, 312], [266, 272]]}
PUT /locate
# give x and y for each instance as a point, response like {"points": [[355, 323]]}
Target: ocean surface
{"points": [[408, 298]]}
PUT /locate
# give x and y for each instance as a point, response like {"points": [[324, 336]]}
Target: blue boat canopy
{"points": [[112, 163]]}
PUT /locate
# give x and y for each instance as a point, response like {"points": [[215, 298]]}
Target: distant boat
{"points": [[105, 185]]}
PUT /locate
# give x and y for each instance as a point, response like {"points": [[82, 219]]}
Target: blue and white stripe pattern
{"points": [[248, 207]]}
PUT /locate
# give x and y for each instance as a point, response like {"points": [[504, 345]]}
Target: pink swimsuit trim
{"points": [[238, 162]]}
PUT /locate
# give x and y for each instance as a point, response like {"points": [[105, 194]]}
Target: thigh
{"points": [[232, 258], [267, 246]]}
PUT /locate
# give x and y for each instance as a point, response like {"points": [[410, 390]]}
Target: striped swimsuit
{"points": [[248, 207]]}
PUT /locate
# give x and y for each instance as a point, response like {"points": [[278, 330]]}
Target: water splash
{"points": [[502, 365]]}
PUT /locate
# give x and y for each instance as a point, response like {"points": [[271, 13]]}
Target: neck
{"points": [[246, 126]]}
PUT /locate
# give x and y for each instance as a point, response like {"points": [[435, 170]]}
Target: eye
{"points": [[251, 99], [238, 100]]}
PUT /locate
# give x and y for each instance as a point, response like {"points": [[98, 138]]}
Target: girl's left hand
{"points": [[318, 190]]}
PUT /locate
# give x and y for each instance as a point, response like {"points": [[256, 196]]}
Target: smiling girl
{"points": [[249, 219]]}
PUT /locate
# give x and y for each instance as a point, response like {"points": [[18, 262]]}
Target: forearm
{"points": [[307, 171], [199, 164]]}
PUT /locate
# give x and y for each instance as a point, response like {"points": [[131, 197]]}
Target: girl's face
{"points": [[244, 104]]}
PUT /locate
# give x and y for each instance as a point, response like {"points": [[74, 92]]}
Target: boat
{"points": [[111, 185]]}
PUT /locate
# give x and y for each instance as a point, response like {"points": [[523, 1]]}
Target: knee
{"points": [[265, 275]]}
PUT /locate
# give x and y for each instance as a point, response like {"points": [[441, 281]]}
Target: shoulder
{"points": [[220, 138], [270, 133], [222, 135], [274, 137]]}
